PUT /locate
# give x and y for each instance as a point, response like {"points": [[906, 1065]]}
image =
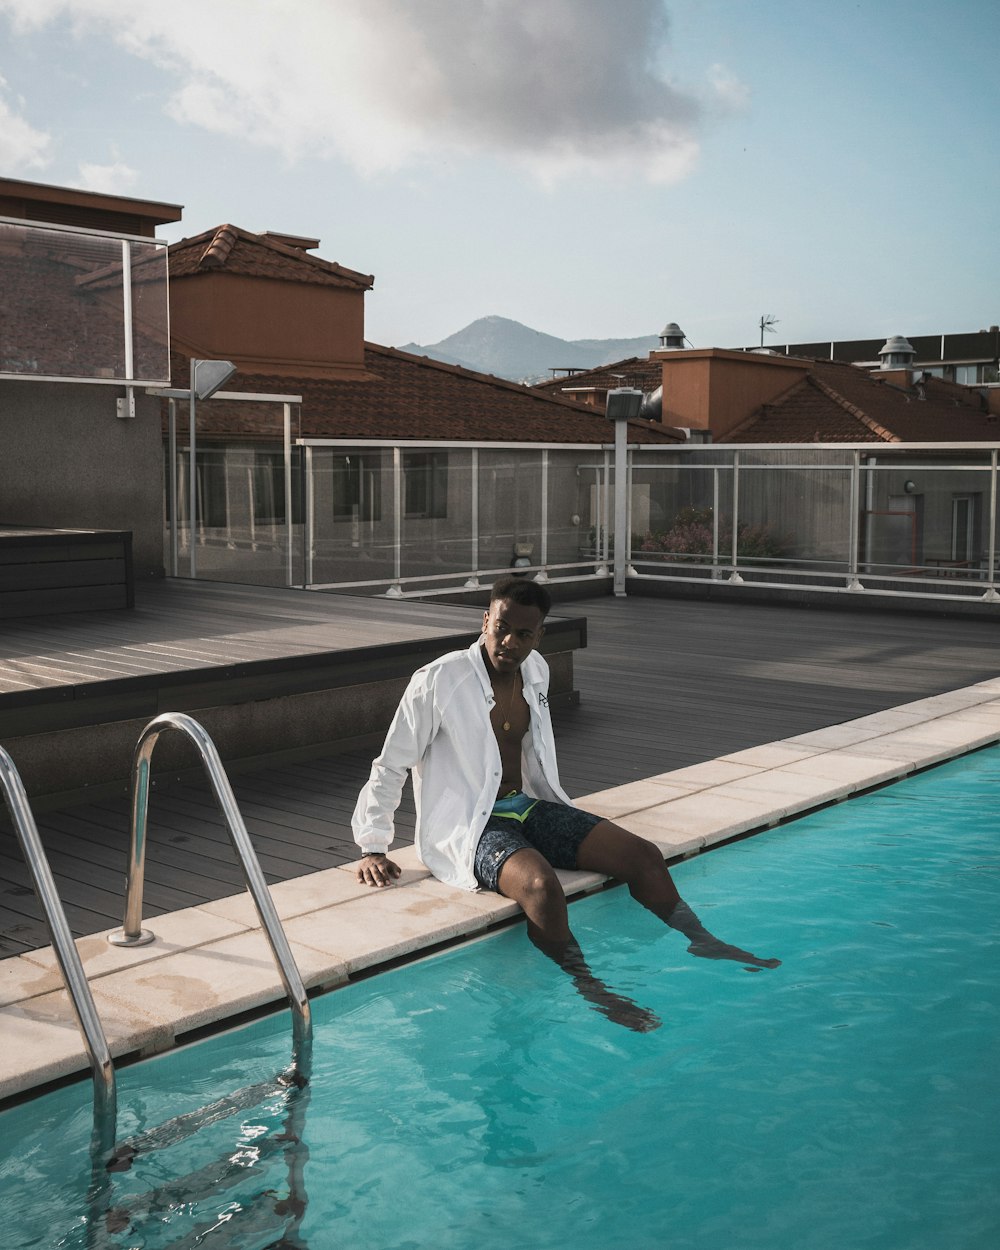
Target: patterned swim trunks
{"points": [[519, 821]]}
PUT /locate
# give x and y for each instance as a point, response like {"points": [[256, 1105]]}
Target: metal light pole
{"points": [[206, 378], [623, 405]]}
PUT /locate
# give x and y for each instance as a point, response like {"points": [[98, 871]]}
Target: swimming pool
{"points": [[848, 1099]]}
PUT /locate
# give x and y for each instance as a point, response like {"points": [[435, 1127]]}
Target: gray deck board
{"points": [[178, 626], [663, 683]]}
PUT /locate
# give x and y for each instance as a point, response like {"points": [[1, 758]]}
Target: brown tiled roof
{"points": [[841, 403], [232, 250], [414, 397], [637, 371]]}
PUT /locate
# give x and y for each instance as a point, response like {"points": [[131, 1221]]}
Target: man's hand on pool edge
{"points": [[377, 870]]}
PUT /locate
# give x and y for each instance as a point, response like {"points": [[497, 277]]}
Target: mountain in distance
{"points": [[514, 351]]}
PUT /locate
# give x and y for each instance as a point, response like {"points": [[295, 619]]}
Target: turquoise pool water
{"points": [[848, 1099]]}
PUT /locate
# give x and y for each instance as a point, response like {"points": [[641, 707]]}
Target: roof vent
{"points": [[671, 337], [897, 353]]}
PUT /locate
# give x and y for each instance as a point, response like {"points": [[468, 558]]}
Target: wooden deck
{"points": [[663, 683]]}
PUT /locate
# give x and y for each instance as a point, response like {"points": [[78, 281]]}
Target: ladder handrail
{"points": [[77, 986], [131, 933]]}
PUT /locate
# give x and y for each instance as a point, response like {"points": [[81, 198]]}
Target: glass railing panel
{"points": [[510, 508], [926, 522], [573, 512], [351, 534], [65, 307], [248, 495], [794, 521], [678, 511], [150, 320], [436, 520]]}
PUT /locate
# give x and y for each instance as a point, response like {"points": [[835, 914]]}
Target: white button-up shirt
{"points": [[442, 733]]}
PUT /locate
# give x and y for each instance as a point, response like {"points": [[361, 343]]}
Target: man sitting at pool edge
{"points": [[474, 728]]}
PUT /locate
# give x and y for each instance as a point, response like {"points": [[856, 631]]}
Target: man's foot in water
{"points": [[722, 950], [707, 946]]}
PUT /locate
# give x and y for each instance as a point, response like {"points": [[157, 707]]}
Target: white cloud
{"points": [[730, 92], [22, 147], [114, 179], [557, 85]]}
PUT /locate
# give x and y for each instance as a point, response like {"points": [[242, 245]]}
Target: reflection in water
{"points": [[614, 1006], [239, 1188]]}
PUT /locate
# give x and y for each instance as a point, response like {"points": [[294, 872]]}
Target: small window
{"points": [[425, 483]]}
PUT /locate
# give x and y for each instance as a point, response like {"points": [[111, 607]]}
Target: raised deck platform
{"points": [[268, 672]]}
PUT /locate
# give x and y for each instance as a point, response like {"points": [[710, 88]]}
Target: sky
{"points": [[591, 168]]}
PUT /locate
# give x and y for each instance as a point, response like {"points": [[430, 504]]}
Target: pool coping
{"points": [[212, 963]]}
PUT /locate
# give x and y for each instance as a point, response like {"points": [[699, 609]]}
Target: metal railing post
{"points": [[735, 575], [192, 476], [395, 591], [542, 575], [991, 595], [716, 500], [309, 521], [174, 492], [853, 581], [289, 529], [621, 506], [472, 582]]}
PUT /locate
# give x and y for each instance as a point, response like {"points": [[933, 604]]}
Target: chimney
{"points": [[713, 389]]}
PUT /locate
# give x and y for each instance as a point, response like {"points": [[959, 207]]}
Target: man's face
{"points": [[511, 631]]}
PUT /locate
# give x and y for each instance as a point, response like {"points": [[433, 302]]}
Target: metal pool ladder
{"points": [[105, 1095], [132, 933]]}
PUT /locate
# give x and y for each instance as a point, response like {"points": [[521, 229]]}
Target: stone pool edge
{"points": [[212, 962]]}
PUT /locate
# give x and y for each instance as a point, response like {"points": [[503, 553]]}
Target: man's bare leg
{"points": [[529, 879], [614, 851]]}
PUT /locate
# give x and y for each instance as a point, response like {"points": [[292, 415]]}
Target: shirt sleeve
{"points": [[410, 734]]}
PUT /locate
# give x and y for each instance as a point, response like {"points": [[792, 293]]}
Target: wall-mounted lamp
{"points": [[208, 375], [910, 487]]}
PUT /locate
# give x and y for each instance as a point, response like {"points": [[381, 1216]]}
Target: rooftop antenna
{"points": [[767, 322]]}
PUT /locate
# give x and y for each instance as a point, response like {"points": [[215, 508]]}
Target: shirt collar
{"points": [[530, 672]]}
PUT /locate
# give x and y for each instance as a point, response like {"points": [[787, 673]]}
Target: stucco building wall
{"points": [[67, 461]]}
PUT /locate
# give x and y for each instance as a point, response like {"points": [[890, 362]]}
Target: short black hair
{"points": [[522, 590]]}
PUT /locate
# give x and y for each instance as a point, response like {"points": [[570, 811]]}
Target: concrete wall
{"points": [[68, 462]]}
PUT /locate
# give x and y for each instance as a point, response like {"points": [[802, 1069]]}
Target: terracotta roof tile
{"points": [[637, 371], [229, 249], [843, 403], [414, 397]]}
